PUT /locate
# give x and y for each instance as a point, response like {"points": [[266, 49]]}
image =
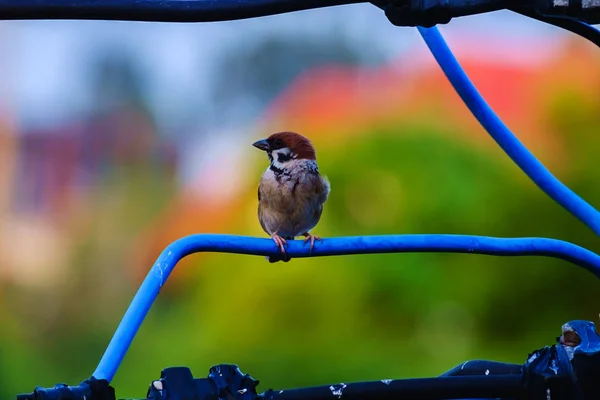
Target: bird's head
{"points": [[283, 148]]}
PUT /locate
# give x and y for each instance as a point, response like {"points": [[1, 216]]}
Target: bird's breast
{"points": [[289, 203], [276, 190]]}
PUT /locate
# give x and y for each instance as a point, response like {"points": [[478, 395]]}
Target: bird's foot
{"points": [[279, 241], [312, 239]]}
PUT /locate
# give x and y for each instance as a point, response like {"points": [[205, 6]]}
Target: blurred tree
{"points": [[117, 80], [249, 76]]}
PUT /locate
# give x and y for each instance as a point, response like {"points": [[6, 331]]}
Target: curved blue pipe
{"points": [[534, 169], [165, 263]]}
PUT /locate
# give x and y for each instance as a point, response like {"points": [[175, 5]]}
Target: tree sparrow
{"points": [[291, 192]]}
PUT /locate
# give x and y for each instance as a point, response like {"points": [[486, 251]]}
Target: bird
{"points": [[291, 192]]}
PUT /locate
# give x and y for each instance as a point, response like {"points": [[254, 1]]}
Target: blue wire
{"points": [[534, 169], [165, 263]]}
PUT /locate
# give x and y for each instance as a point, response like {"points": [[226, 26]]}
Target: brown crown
{"points": [[299, 144]]}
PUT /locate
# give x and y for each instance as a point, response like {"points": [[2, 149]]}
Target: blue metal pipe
{"points": [[534, 169], [165, 263]]}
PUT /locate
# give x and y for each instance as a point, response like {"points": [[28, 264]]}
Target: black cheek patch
{"points": [[283, 157]]}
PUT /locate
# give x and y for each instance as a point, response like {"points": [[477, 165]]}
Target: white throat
{"points": [[282, 159], [286, 161]]}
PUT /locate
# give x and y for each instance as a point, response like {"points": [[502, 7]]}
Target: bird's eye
{"points": [[284, 157], [278, 143]]}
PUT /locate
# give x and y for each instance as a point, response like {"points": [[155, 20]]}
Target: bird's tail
{"points": [[281, 256]]}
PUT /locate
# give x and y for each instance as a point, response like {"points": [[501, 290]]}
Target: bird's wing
{"points": [[324, 190]]}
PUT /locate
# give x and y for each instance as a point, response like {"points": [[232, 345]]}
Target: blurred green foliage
{"points": [[314, 321]]}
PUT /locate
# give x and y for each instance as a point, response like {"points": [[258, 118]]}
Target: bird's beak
{"points": [[262, 145]]}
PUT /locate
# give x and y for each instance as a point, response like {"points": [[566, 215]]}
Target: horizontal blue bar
{"points": [[533, 168], [165, 263]]}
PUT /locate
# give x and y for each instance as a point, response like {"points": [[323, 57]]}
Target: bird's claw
{"points": [[279, 241], [312, 239]]}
